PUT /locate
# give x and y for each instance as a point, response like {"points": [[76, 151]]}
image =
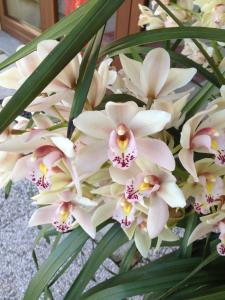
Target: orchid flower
{"points": [[40, 166], [206, 136], [151, 183], [119, 133], [154, 79], [209, 189], [211, 223], [64, 211]]}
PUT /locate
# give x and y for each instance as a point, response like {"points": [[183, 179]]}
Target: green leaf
{"points": [[85, 77], [198, 100], [160, 35], [61, 28], [185, 251], [205, 262], [128, 259], [91, 21], [71, 245], [8, 188], [111, 241]]}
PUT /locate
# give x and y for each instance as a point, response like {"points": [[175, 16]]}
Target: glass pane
{"points": [[24, 11]]}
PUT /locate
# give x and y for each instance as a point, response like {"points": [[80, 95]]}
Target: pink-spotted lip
{"points": [[122, 148], [221, 249], [63, 218]]}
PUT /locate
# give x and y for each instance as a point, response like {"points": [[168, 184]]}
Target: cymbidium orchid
{"points": [[203, 133], [120, 134], [154, 79], [211, 223], [64, 211]]}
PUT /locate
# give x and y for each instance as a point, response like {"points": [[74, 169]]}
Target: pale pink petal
{"points": [[201, 141], [154, 72], [94, 123], [10, 79], [84, 219], [42, 121], [45, 47], [200, 231], [158, 216], [90, 158], [148, 122], [43, 215], [121, 112], [186, 157], [157, 152], [171, 193], [122, 176], [28, 64], [131, 68], [177, 78], [22, 168]]}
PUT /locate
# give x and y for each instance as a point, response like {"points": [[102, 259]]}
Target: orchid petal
{"points": [[91, 157], [10, 78], [121, 112], [142, 241], [131, 68], [157, 152], [122, 176], [43, 215], [177, 78], [65, 145], [201, 230], [158, 216], [171, 193], [154, 72], [149, 122], [84, 220], [186, 157], [94, 123], [103, 212]]}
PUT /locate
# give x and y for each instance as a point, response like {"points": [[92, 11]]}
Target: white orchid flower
{"points": [[154, 79], [120, 134]]}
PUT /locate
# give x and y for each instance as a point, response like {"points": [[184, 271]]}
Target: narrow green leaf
{"points": [[71, 245], [58, 30], [160, 35], [185, 251], [111, 241], [97, 14], [128, 259], [85, 77], [8, 188], [205, 262]]}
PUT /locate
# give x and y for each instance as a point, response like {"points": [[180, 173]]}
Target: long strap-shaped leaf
{"points": [[85, 77], [61, 28], [71, 245], [165, 34], [112, 240], [93, 19]]}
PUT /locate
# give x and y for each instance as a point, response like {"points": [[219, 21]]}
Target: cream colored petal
{"points": [[131, 68], [154, 72], [84, 219], [103, 212], [94, 123], [200, 231], [121, 112], [177, 78], [171, 193], [148, 122], [10, 78], [186, 157], [142, 241], [43, 215]]}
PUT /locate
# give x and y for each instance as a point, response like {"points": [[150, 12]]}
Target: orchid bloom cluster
{"points": [[120, 162], [189, 12]]}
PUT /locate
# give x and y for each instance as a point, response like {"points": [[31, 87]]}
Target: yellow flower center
{"points": [[43, 168], [146, 184], [214, 144], [210, 182], [126, 207]]}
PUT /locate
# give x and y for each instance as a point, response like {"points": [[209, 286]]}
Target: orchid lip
{"points": [[63, 218]]}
